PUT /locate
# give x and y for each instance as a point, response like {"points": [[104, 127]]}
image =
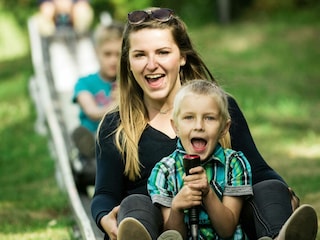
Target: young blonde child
{"points": [[219, 185], [96, 93]]}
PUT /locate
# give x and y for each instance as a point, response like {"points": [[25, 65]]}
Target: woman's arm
{"points": [[109, 185], [241, 140]]}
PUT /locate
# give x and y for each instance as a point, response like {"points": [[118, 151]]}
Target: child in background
{"points": [[54, 13], [96, 92], [222, 182]]}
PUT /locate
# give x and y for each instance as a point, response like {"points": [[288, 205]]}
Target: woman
{"points": [[157, 58]]}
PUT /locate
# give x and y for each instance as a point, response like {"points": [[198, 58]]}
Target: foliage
{"points": [[31, 204], [122, 7], [206, 10], [270, 64], [13, 41]]}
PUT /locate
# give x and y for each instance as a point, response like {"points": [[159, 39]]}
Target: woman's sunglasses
{"points": [[161, 15]]}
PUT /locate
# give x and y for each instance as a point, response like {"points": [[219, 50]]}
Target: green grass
{"points": [[270, 66], [31, 204]]}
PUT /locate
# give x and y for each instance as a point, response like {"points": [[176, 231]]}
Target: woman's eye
{"points": [[163, 52], [138, 55]]}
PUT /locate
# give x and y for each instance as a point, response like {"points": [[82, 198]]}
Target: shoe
{"points": [[301, 225], [265, 238], [131, 229], [170, 235], [82, 20], [84, 141], [46, 26]]}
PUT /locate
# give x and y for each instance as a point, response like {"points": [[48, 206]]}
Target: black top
{"points": [[112, 186]]}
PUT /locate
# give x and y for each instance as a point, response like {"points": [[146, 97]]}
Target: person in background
{"points": [[95, 94], [56, 13], [223, 181], [157, 58]]}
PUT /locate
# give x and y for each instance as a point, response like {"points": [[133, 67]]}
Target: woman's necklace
{"points": [[165, 111]]}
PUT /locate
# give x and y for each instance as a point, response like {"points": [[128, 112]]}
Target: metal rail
{"points": [[50, 117]]}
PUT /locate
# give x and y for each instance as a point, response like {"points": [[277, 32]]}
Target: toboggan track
{"points": [[58, 62]]}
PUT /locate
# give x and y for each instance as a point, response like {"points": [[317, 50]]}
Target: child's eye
{"points": [[209, 118], [188, 117], [107, 54]]}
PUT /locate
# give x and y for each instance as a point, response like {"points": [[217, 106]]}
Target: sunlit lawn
{"points": [[32, 207], [272, 68]]}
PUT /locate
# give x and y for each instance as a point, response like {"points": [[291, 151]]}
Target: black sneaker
{"points": [[85, 142], [130, 229], [301, 225], [170, 235]]}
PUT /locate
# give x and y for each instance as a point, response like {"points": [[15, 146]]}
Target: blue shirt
{"points": [[101, 91], [228, 172]]}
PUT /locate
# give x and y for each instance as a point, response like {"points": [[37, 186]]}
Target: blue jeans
{"points": [[268, 209], [140, 207], [262, 215]]}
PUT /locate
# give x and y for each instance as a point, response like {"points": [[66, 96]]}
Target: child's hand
{"points": [[114, 91], [195, 187], [186, 198], [198, 180]]}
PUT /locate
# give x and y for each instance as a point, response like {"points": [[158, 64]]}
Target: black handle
{"points": [[191, 161]]}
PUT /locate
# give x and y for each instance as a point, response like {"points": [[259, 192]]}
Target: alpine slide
{"points": [[58, 62]]}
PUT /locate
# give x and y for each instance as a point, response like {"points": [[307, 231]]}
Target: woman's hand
{"points": [[295, 201], [109, 223]]}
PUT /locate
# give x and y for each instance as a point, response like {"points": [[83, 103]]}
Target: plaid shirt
{"points": [[228, 172]]}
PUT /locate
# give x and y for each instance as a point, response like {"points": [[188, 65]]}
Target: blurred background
{"points": [[264, 52]]}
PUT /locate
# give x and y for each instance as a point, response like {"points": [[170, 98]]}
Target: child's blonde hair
{"points": [[107, 33], [207, 88]]}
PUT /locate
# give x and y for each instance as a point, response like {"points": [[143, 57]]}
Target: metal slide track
{"points": [[58, 63]]}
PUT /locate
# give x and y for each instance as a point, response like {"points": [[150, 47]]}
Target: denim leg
{"points": [[265, 213], [140, 207]]}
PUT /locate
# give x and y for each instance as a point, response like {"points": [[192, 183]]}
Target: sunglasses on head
{"points": [[139, 16]]}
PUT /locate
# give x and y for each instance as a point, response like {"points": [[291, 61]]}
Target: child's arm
{"points": [[174, 216], [90, 107], [174, 219], [224, 215]]}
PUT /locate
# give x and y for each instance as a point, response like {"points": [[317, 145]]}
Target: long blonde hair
{"points": [[133, 113]]}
